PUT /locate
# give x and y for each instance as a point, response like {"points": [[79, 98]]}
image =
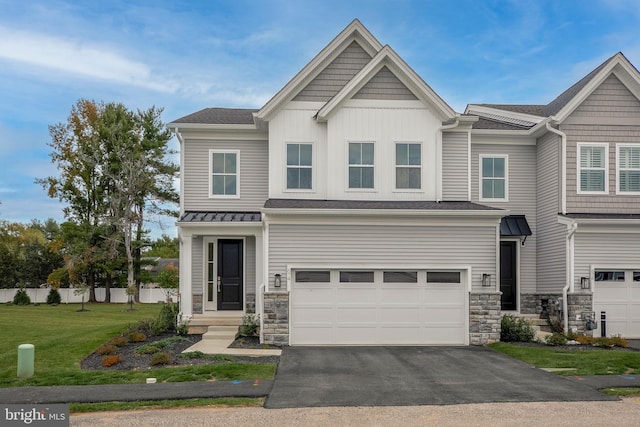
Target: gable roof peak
{"points": [[355, 31]]}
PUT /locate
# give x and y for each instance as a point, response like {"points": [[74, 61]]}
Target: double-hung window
{"points": [[592, 168], [225, 172], [361, 166], [628, 169], [408, 166], [493, 177], [299, 166]]}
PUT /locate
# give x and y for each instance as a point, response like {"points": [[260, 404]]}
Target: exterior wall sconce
{"points": [[585, 283], [486, 280], [277, 282]]}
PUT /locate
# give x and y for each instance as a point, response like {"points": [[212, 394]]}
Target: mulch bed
{"points": [[575, 347], [132, 360]]}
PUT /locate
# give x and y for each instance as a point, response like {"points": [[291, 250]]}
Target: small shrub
{"points": [[515, 329], [106, 350], [584, 339], [148, 349], [555, 339], [250, 325], [618, 341], [21, 297], [111, 360], [167, 320], [54, 297], [160, 359], [137, 337], [610, 342], [119, 341]]}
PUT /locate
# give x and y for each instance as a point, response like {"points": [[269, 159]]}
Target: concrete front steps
{"points": [[218, 334], [539, 325]]}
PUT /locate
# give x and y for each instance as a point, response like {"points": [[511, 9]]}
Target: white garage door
{"points": [[617, 292], [356, 307]]}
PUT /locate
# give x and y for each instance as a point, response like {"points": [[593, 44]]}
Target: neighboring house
{"points": [[154, 265], [356, 207]]}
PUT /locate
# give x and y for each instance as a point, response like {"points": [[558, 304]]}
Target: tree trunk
{"points": [[91, 282]]}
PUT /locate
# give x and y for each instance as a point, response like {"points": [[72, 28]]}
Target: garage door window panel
{"points": [[356, 277], [610, 276], [400, 277], [313, 276], [443, 277]]}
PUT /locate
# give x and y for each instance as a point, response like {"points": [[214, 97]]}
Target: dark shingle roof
{"points": [[485, 123], [200, 216], [535, 110], [603, 216], [220, 116], [372, 204]]}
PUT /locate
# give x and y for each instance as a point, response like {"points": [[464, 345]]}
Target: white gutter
{"points": [[563, 168], [569, 275], [176, 132], [439, 156]]}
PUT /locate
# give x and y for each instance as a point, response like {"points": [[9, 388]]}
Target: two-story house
{"points": [[357, 207]]}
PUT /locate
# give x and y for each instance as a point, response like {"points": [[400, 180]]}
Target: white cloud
{"points": [[74, 57]]}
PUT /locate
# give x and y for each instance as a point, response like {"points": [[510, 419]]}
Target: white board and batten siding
{"points": [[196, 170], [522, 197], [620, 299]]}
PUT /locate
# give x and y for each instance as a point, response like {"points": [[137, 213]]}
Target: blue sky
{"points": [[188, 55]]}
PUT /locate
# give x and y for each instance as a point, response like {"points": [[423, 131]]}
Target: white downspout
{"points": [[569, 275], [563, 168], [439, 156]]}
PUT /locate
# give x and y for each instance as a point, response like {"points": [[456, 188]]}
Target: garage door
{"points": [[358, 307], [617, 292]]}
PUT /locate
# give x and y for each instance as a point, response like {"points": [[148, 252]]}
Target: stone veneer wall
{"points": [[577, 304], [484, 318], [196, 304], [250, 303], [532, 303], [275, 318]]}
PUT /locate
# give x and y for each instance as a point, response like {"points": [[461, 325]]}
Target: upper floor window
{"points": [[493, 177], [628, 169], [225, 173], [592, 168], [408, 166], [361, 168], [299, 166]]}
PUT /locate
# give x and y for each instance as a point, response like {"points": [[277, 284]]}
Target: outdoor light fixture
{"points": [[584, 283], [486, 279], [277, 281]]}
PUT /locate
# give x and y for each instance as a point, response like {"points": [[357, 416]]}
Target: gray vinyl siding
{"points": [[384, 85], [610, 99], [250, 268], [455, 164], [405, 246], [522, 198], [335, 75], [551, 241], [602, 249], [601, 118], [197, 266], [254, 175]]}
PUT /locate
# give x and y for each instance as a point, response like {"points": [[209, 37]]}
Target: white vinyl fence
{"points": [[118, 295]]}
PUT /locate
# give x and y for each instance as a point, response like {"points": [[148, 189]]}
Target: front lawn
{"points": [[585, 362], [63, 337]]}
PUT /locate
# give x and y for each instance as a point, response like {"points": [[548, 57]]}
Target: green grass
{"points": [[163, 404], [623, 392], [63, 337], [585, 362]]}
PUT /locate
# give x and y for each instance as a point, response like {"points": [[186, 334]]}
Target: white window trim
{"points": [[506, 177], [618, 169], [604, 145], [312, 167], [375, 167], [224, 196], [396, 166]]}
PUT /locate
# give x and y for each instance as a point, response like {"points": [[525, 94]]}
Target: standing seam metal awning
{"points": [[514, 225]]}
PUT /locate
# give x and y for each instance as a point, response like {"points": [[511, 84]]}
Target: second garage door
{"points": [[617, 293], [378, 307]]}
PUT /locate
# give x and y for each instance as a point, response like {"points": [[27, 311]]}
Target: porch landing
{"points": [[218, 334]]}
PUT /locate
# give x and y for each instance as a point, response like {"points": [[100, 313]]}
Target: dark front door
{"points": [[230, 275], [508, 276]]}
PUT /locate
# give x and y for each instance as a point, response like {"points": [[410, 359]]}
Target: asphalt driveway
{"points": [[400, 376]]}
